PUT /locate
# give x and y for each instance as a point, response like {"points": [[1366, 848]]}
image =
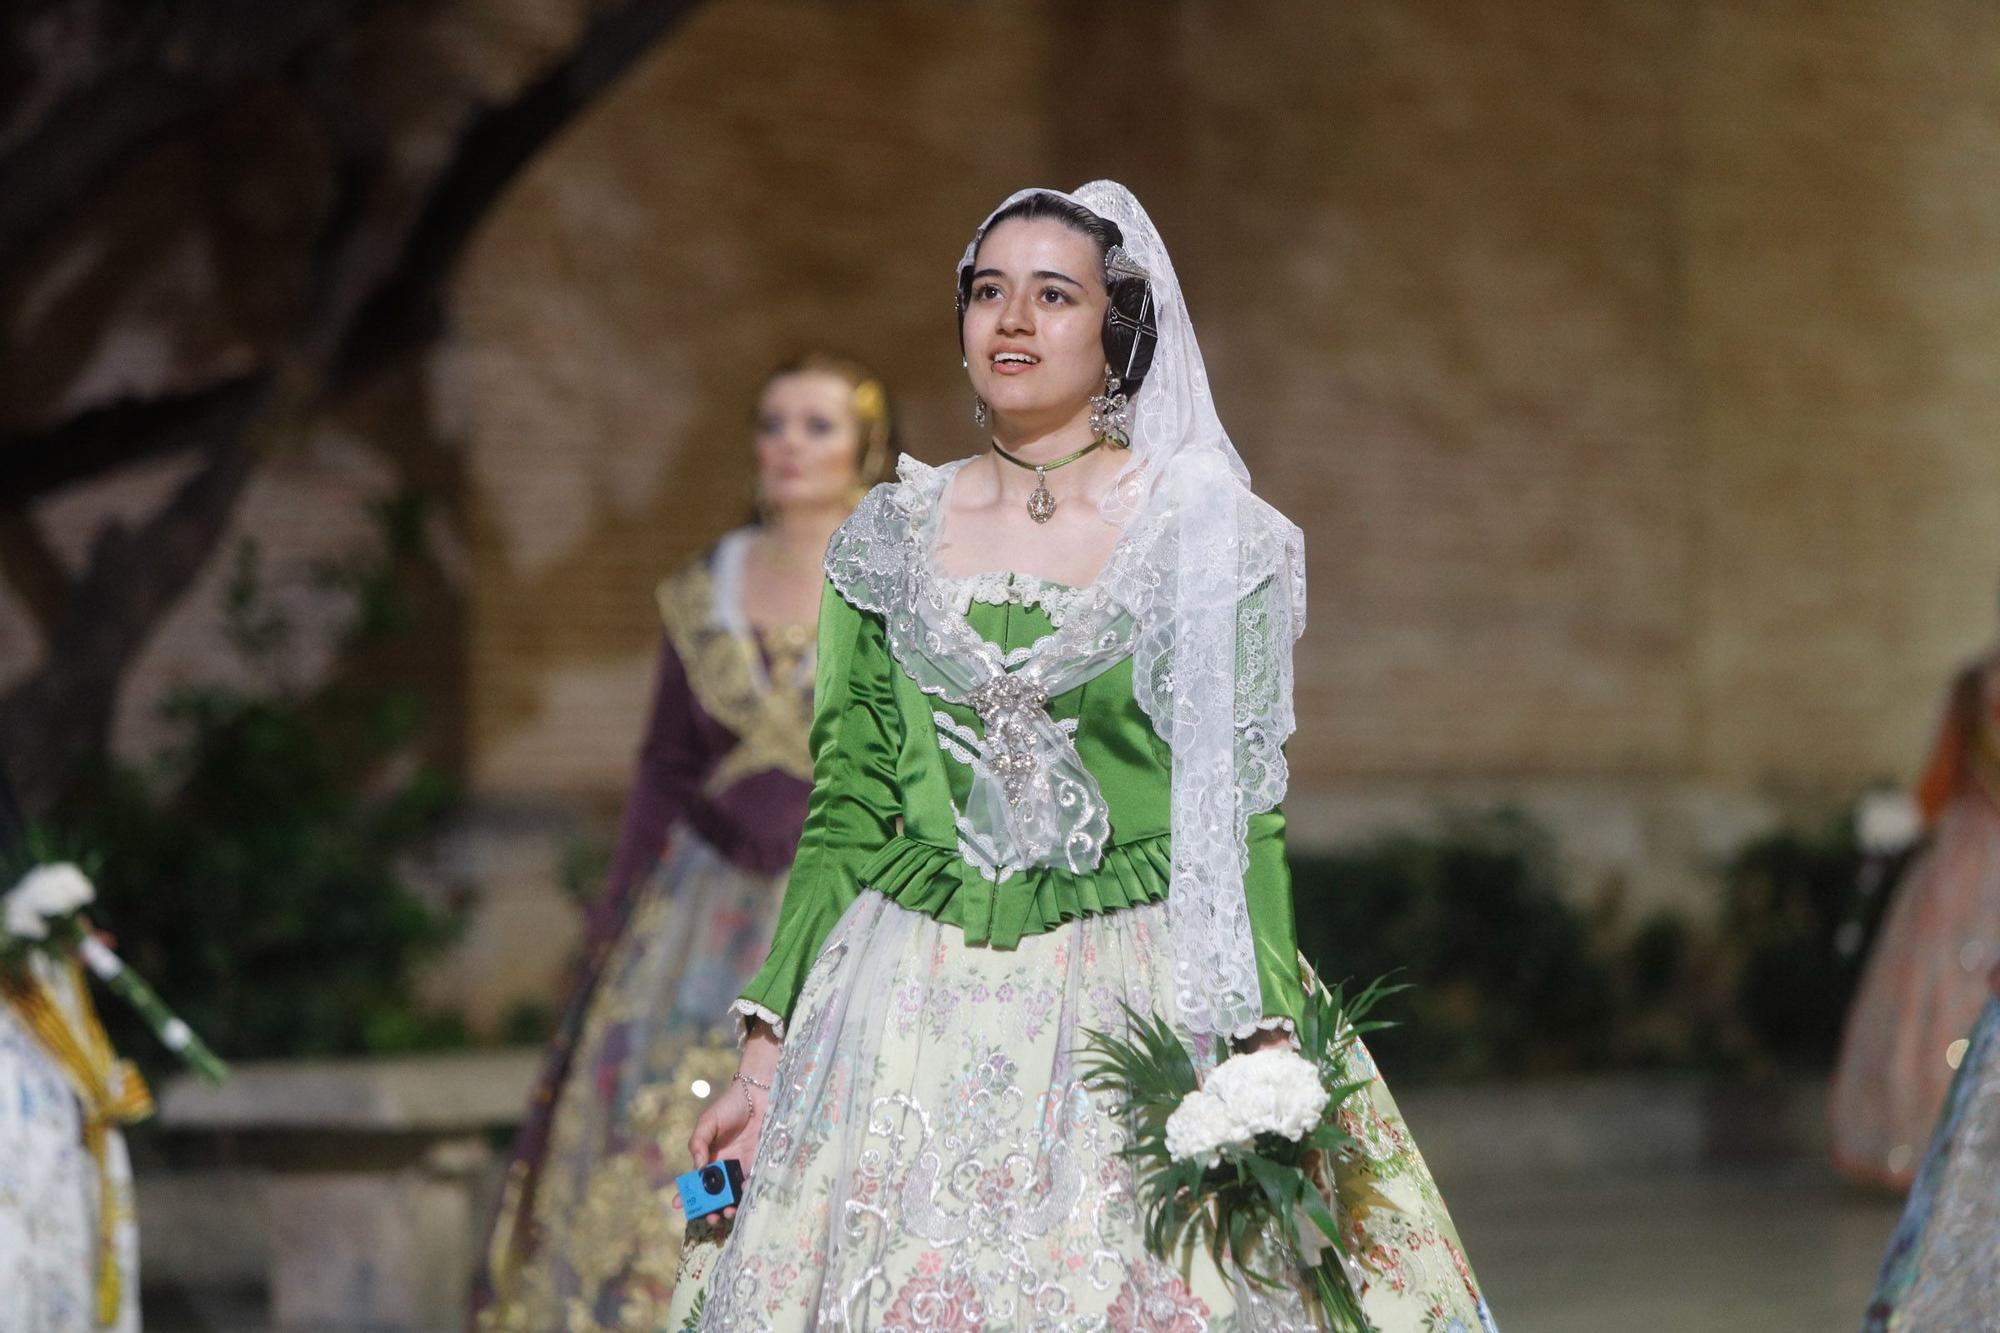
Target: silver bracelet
{"points": [[742, 1077]]}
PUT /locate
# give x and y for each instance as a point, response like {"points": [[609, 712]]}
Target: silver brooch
{"points": [[1004, 705]]}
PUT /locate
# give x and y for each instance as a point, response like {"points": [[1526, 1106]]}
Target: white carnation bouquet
{"points": [[1242, 1161], [44, 913]]}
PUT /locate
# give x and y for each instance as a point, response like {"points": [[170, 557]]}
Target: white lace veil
{"points": [[1215, 580]]}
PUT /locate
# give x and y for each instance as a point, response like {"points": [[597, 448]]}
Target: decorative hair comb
{"points": [[1118, 263], [869, 401]]}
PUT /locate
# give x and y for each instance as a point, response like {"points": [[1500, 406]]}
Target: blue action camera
{"points": [[711, 1188]]}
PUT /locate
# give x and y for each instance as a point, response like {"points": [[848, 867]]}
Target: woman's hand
{"points": [[730, 1126]]}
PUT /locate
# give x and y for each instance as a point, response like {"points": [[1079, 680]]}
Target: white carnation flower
{"points": [[58, 889], [1200, 1128], [45, 893], [1272, 1091], [24, 922]]}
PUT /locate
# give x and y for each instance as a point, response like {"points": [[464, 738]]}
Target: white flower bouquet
{"points": [[1242, 1161], [44, 913]]}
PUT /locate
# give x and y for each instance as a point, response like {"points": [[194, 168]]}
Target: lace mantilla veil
{"points": [[1205, 589], [1218, 601]]}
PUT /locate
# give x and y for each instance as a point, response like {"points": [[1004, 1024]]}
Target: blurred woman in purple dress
{"points": [[587, 1234]]}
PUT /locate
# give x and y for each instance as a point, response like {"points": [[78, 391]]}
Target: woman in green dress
{"points": [[1054, 685]]}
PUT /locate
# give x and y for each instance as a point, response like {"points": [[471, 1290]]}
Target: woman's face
{"points": [[808, 441], [1034, 322]]}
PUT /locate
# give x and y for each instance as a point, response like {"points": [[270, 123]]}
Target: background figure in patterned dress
{"points": [[1925, 980], [586, 1236], [1054, 684], [69, 1231], [1943, 1267]]}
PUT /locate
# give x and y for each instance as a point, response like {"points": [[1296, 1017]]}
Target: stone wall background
{"points": [[1625, 363], [1629, 364]]}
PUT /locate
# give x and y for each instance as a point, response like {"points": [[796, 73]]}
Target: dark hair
{"points": [[1129, 331], [869, 401]]}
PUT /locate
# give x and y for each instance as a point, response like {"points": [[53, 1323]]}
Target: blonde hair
{"points": [[868, 399]]}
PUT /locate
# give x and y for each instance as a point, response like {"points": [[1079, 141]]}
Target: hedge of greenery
{"points": [[1508, 976]]}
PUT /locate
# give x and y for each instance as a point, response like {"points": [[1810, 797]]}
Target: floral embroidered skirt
{"points": [[932, 1160], [588, 1232], [1920, 994], [1943, 1266], [51, 1193]]}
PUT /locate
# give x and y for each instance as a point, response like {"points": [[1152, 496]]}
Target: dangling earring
{"points": [[978, 411], [1111, 412]]}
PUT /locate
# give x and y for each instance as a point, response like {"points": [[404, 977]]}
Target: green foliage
{"points": [[586, 861], [1800, 907], [527, 1023], [1505, 977], [256, 870]]}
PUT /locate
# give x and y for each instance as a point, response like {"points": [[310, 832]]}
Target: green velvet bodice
{"points": [[882, 815]]}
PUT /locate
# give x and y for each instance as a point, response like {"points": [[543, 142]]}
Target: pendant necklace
{"points": [[1041, 504]]}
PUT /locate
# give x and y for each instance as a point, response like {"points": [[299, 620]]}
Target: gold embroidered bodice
{"points": [[756, 683]]}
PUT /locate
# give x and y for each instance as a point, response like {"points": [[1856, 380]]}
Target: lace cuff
{"points": [[745, 1010]]}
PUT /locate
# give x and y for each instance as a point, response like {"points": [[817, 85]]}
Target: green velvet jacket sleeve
{"points": [[852, 812], [1267, 882]]}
